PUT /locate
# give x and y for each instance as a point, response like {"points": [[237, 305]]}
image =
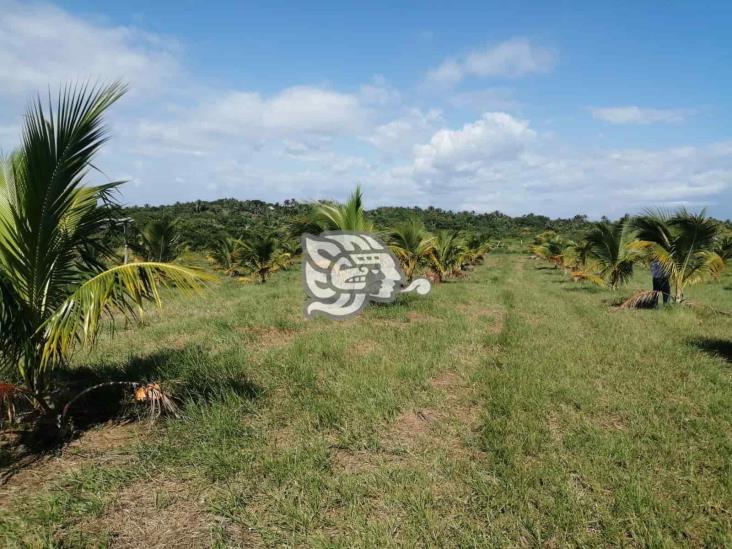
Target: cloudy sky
{"points": [[548, 107]]}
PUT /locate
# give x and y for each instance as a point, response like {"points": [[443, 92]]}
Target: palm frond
{"points": [[350, 216], [123, 288]]}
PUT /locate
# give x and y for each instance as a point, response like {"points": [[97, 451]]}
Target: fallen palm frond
{"points": [[158, 402], [642, 299], [8, 395], [586, 276]]}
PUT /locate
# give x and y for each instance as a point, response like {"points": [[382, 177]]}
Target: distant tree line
{"points": [[201, 224]]}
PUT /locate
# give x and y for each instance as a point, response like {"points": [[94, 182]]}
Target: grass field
{"points": [[509, 408]]}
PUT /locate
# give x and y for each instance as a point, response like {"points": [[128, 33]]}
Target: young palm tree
{"points": [[683, 243], [580, 252], [54, 285], [225, 254], [723, 247], [549, 247], [609, 247], [158, 241], [476, 248], [350, 216], [412, 244], [262, 254], [446, 254]]}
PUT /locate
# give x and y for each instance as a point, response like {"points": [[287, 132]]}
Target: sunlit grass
{"points": [[512, 408]]}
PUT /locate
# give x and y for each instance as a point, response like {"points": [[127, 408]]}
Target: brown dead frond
{"points": [[642, 299], [9, 394], [158, 402], [586, 276], [156, 399]]}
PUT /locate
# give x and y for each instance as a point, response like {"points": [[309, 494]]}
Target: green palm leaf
{"points": [[123, 288], [350, 216]]}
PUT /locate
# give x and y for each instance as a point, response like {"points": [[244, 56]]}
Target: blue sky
{"points": [[555, 108]]}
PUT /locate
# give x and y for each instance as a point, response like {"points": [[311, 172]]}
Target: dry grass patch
{"points": [[155, 513], [492, 316], [268, 336], [102, 446]]}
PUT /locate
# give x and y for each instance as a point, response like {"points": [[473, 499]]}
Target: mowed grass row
{"points": [[510, 408]]}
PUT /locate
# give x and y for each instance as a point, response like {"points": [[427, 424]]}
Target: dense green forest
{"points": [[201, 223]]}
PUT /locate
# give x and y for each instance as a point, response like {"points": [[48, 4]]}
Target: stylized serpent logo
{"points": [[343, 271]]}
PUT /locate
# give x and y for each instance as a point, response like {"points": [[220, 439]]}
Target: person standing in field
{"points": [[660, 282]]}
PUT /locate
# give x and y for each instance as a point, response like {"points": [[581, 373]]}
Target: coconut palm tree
{"points": [[683, 243], [549, 247], [225, 255], [446, 255], [261, 254], [350, 216], [578, 254], [412, 244], [609, 248], [54, 283], [723, 247], [476, 248], [158, 240]]}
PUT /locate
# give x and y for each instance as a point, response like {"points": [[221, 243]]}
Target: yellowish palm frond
{"points": [[123, 288]]}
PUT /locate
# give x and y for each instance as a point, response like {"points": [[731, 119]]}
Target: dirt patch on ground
{"points": [[492, 317], [155, 513], [553, 426], [415, 316], [107, 445], [446, 380], [363, 348], [460, 401], [363, 461], [412, 425], [268, 336]]}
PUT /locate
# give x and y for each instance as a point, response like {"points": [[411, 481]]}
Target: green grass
{"points": [[511, 408]]}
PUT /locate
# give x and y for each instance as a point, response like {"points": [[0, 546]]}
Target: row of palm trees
{"points": [[689, 247], [442, 254]]}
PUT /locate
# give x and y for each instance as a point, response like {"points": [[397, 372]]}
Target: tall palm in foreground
{"points": [[54, 285], [262, 254], [158, 240], [683, 243], [412, 244], [609, 247], [350, 216]]}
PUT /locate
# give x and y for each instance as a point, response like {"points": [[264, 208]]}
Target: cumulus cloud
{"points": [[495, 137], [511, 59], [41, 45], [500, 162], [175, 138], [638, 115], [294, 113], [399, 135]]}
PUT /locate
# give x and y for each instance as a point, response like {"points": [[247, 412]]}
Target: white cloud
{"points": [[379, 92], [177, 139], [250, 119], [399, 135], [499, 162], [512, 58], [638, 115], [41, 45], [494, 137]]}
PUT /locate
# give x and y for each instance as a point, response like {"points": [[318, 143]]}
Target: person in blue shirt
{"points": [[660, 282]]}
